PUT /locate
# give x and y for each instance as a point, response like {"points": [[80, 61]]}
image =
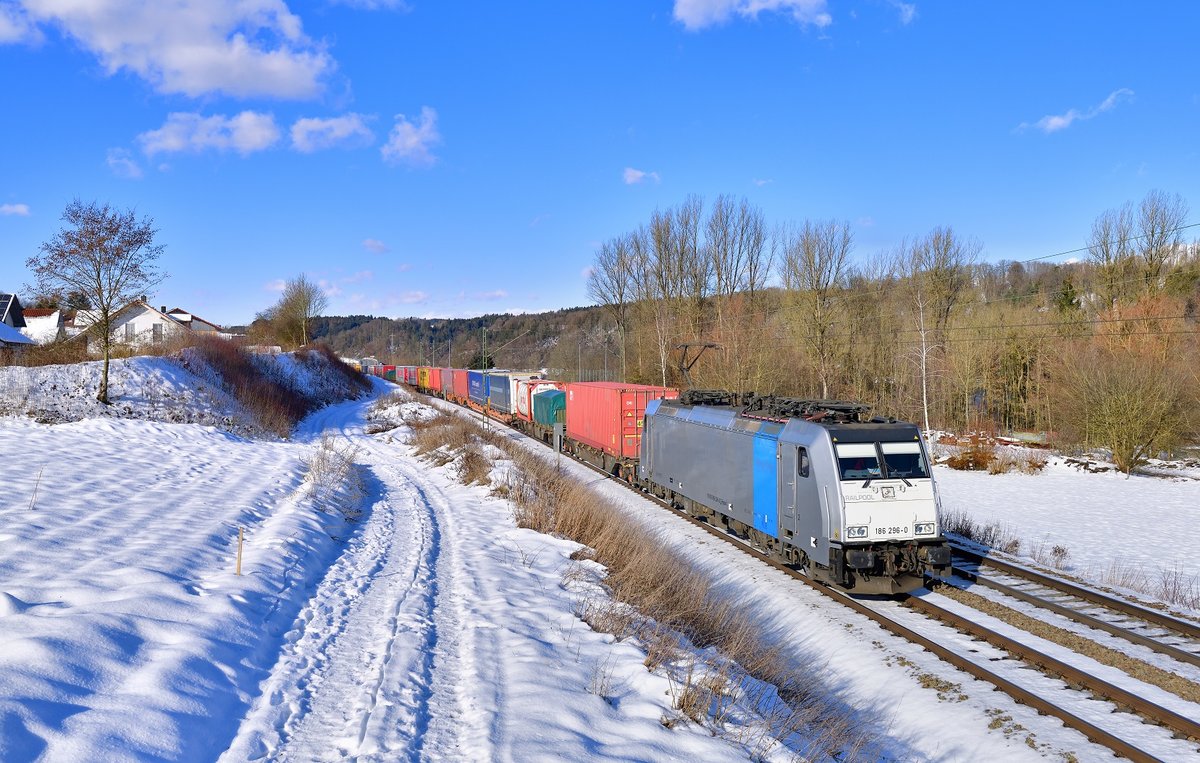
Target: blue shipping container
{"points": [[477, 387], [499, 393]]}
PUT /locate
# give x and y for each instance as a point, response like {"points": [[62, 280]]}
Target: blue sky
{"points": [[449, 158]]}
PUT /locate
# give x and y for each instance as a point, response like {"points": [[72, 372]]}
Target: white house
{"points": [[44, 325], [138, 323], [191, 321]]}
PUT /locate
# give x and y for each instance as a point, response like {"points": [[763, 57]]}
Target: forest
{"points": [[1099, 347]]}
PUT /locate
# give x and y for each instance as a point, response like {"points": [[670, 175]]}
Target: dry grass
{"points": [[1168, 584], [977, 456], [660, 600], [319, 354], [992, 535], [335, 479], [274, 406], [59, 353]]}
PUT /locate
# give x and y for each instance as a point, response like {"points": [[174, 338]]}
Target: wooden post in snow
{"points": [[239, 556]]}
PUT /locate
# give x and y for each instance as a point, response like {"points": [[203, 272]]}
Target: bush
{"points": [[977, 456], [61, 353]]}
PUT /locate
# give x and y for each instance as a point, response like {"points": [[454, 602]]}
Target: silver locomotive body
{"points": [[852, 501]]}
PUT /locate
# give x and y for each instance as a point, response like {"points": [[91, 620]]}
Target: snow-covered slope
{"points": [[148, 388], [387, 612]]}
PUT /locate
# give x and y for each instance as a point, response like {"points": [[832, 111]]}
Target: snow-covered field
{"points": [[427, 627], [1101, 519]]}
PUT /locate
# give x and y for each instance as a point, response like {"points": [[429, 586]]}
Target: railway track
{"points": [[1158, 631], [1085, 721]]}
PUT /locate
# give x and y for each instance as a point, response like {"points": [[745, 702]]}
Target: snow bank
{"points": [[126, 632], [146, 388], [180, 390]]}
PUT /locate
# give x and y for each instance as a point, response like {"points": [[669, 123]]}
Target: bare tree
{"points": [[1110, 249], [290, 317], [611, 284], [105, 255], [740, 263], [815, 269], [943, 260], [1159, 220]]}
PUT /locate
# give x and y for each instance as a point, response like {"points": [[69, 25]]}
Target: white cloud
{"points": [[1055, 122], [362, 275], [312, 134], [245, 133], [15, 25], [586, 273], [412, 143], [633, 177], [331, 289], [413, 297], [491, 295], [121, 162], [374, 245], [760, 182], [277, 285], [697, 14], [404, 267], [908, 11], [18, 210], [243, 48]]}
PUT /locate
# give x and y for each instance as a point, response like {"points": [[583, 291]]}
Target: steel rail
{"points": [[1182, 627], [1082, 618], [1182, 725], [1020, 694]]}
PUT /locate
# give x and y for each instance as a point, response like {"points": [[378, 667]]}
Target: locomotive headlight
{"points": [[857, 531], [923, 528]]}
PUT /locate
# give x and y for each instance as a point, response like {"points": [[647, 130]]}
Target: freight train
{"points": [[814, 483]]}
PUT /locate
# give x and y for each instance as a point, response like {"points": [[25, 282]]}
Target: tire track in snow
{"points": [[467, 658], [390, 659], [320, 698]]}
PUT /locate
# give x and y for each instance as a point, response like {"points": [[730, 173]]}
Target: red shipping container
{"points": [[461, 388], [609, 415], [435, 380]]}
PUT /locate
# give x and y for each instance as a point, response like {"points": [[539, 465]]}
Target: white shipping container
{"points": [[526, 389]]}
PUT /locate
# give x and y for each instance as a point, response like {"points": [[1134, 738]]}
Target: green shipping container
{"points": [[550, 407], [390, 374]]}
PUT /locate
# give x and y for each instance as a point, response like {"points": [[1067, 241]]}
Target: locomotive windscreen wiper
{"points": [[888, 471]]}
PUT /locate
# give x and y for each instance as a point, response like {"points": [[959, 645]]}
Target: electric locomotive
{"points": [[814, 482]]}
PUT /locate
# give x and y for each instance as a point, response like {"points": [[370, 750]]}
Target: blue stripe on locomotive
{"points": [[766, 483]]}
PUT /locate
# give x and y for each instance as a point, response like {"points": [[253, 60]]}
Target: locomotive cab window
{"points": [[904, 459], [859, 461], [802, 462]]}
